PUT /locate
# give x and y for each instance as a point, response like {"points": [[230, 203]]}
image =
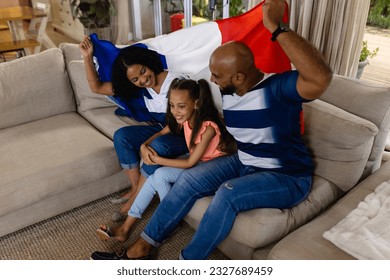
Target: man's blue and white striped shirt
{"points": [[266, 125]]}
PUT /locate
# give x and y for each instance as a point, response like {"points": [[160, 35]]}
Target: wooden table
{"points": [[15, 38]]}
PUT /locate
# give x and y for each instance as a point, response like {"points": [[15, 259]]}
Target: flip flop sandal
{"points": [[104, 234]]}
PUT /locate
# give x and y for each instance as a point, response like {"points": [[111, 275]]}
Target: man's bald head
{"points": [[232, 67], [235, 56]]}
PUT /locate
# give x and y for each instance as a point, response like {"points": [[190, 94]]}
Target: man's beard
{"points": [[228, 90]]}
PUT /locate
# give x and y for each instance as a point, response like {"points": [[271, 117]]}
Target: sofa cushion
{"points": [[34, 87], [105, 120], [340, 142], [71, 52], [44, 158], [260, 227], [86, 99], [95, 108], [369, 101]]}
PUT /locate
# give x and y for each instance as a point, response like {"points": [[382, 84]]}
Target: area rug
{"points": [[71, 236]]}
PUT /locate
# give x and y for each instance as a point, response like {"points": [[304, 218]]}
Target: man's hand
{"points": [[314, 73], [273, 11]]}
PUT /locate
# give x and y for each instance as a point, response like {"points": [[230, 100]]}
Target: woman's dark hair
{"points": [[199, 91], [129, 56]]}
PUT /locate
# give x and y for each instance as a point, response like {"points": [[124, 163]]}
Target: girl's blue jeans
{"points": [[128, 141], [235, 187], [160, 182]]}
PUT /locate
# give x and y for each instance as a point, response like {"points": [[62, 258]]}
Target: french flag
{"points": [[187, 51]]}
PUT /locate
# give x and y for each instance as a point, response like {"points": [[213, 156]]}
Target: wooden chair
{"points": [[37, 27], [11, 49], [17, 46]]}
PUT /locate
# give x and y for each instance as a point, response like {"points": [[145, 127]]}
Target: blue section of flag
{"points": [[133, 104], [106, 53]]}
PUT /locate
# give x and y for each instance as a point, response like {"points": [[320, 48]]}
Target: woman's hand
{"points": [[86, 47]]}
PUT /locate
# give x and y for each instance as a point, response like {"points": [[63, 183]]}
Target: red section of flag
{"points": [[249, 28]]}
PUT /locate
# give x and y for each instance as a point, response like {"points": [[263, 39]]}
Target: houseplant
{"points": [[365, 54], [95, 16]]}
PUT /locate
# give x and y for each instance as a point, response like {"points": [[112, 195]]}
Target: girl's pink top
{"points": [[212, 150]]}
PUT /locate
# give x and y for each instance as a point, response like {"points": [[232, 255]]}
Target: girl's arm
{"points": [[146, 150], [86, 49], [195, 156]]}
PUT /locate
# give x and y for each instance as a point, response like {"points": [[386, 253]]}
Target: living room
{"points": [[53, 199]]}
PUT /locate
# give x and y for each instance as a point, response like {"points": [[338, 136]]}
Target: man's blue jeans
{"points": [[128, 141], [236, 188]]}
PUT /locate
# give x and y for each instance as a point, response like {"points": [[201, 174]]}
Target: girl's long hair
{"points": [[129, 56], [206, 111]]}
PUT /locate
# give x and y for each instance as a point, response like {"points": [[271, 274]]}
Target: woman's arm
{"points": [[146, 150], [86, 49], [195, 156]]}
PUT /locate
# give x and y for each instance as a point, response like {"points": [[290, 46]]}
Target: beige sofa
{"points": [[57, 151], [52, 158]]}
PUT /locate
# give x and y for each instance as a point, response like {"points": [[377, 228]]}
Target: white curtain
{"points": [[335, 27], [121, 27], [252, 3]]}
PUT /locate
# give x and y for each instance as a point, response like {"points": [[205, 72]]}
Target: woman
{"points": [[134, 69]]}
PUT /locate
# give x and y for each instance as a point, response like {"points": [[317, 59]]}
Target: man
{"points": [[272, 168]]}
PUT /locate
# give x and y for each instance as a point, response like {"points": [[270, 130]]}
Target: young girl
{"points": [[136, 68], [191, 109]]}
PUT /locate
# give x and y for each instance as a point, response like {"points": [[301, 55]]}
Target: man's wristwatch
{"points": [[281, 28]]}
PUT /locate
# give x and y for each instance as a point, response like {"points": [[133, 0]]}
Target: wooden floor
{"points": [[378, 69]]}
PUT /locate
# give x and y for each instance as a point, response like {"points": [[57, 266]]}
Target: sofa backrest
{"points": [[85, 98], [346, 130], [340, 142], [34, 87], [370, 101]]}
